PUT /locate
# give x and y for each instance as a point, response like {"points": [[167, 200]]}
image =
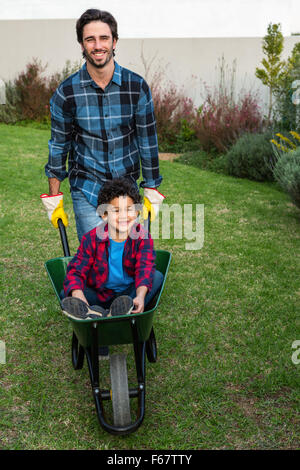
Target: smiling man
{"points": [[102, 122]]}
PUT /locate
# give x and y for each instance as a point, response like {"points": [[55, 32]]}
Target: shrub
{"points": [[204, 160], [221, 121], [252, 157], [287, 173], [9, 112], [27, 97], [174, 113], [33, 92], [286, 108], [223, 117]]}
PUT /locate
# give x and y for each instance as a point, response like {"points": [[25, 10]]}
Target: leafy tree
{"points": [[287, 103], [273, 69]]}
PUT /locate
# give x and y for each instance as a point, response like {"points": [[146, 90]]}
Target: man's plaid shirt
{"points": [[89, 267], [106, 133]]}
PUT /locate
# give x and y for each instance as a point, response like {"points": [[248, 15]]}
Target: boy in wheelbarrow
{"points": [[113, 271]]}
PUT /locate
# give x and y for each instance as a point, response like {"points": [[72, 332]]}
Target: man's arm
{"points": [[147, 139], [54, 185], [61, 140]]}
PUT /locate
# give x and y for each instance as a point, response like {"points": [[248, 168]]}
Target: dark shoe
{"points": [[78, 310], [99, 309], [122, 305]]}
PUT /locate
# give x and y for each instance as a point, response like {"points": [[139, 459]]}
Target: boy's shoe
{"points": [[78, 310], [122, 305]]}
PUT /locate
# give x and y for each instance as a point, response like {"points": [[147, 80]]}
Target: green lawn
{"points": [[225, 325]]}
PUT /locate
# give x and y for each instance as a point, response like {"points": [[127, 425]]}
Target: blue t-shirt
{"points": [[118, 279]]}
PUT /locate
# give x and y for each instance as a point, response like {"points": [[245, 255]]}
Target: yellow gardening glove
{"points": [[55, 209], [152, 201]]}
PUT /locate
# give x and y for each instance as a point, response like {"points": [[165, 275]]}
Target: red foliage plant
{"points": [[34, 91], [220, 121]]}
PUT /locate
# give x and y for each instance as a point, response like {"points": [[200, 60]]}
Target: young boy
{"points": [[113, 272]]}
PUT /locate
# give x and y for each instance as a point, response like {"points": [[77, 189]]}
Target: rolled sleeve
{"points": [[145, 264], [79, 267], [61, 136], [147, 139]]}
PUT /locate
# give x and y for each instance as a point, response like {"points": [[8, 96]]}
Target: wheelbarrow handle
{"points": [[64, 238]]}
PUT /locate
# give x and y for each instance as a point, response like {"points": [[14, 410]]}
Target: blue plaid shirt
{"points": [[104, 133]]}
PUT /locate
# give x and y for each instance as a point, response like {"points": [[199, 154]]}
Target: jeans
{"points": [[92, 298], [86, 217]]}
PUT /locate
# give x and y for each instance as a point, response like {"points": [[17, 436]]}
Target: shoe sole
{"points": [[78, 310], [122, 305]]}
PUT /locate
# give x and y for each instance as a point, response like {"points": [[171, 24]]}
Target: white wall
{"points": [[170, 18], [187, 62]]}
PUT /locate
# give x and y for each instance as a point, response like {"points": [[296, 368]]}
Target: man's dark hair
{"points": [[116, 188], [96, 15]]}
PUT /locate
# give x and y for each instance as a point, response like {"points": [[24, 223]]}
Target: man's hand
{"points": [[55, 209], [152, 201]]}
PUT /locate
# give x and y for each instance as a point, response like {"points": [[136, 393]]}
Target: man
{"points": [[102, 119]]}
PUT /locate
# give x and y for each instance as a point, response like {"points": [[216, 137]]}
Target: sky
{"points": [[170, 18]]}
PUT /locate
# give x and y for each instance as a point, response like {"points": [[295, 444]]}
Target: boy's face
{"points": [[121, 214]]}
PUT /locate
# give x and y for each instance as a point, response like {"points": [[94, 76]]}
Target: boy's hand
{"points": [[79, 294], [138, 302]]}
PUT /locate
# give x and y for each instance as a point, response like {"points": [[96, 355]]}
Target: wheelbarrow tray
{"points": [[113, 330]]}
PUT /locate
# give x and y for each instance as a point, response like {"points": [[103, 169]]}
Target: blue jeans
{"points": [[86, 217], [92, 298]]}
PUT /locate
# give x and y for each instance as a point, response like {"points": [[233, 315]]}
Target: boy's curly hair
{"points": [[116, 188]]}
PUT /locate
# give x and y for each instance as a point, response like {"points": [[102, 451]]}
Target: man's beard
{"points": [[89, 58]]}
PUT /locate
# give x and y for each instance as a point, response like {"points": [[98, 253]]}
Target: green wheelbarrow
{"points": [[88, 335]]}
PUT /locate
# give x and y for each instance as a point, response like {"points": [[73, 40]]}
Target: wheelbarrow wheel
{"points": [[151, 348], [120, 391], [77, 353]]}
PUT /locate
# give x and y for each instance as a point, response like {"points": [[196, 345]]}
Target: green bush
{"points": [[9, 112], [287, 173], [27, 97], [252, 157], [204, 160]]}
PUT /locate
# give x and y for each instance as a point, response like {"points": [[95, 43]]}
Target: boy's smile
{"points": [[121, 214]]}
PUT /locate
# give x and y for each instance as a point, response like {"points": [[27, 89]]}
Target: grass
{"points": [[225, 325]]}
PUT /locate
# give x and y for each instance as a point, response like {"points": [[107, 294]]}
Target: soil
{"points": [[168, 156]]}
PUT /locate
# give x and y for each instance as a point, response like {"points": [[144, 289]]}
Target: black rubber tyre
{"points": [[77, 353], [151, 348], [120, 391]]}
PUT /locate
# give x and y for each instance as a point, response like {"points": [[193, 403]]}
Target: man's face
{"points": [[98, 43]]}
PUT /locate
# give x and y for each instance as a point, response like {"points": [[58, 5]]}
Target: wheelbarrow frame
{"points": [[88, 335]]}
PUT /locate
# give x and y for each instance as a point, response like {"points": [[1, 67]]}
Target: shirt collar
{"points": [[103, 236], [86, 80]]}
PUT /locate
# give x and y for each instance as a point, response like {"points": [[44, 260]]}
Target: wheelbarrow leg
{"points": [[93, 366]]}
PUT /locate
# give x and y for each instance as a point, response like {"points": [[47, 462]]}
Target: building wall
{"points": [[188, 63]]}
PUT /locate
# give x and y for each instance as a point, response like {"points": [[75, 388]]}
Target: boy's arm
{"points": [[79, 267], [145, 266]]}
